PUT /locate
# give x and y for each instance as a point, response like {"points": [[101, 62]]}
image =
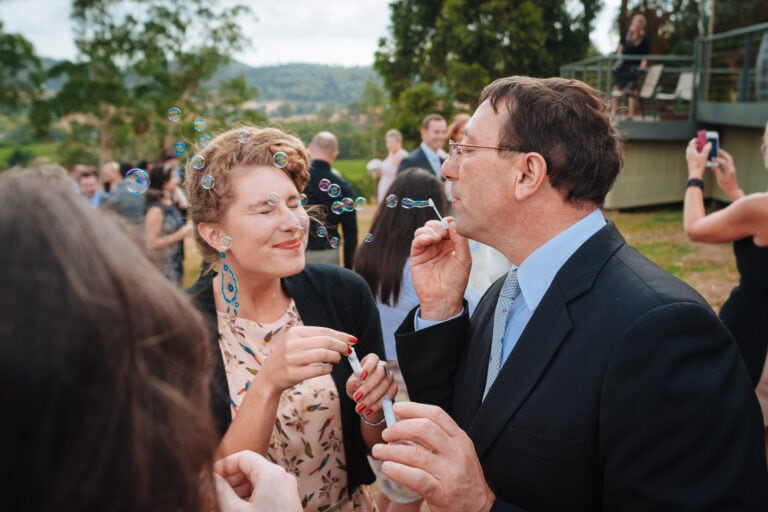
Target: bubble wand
{"points": [[386, 401], [443, 222]]}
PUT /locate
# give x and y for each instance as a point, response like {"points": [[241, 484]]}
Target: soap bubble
{"points": [[243, 136], [207, 182], [205, 139], [407, 203], [304, 199], [199, 124], [337, 207], [324, 184], [280, 159], [368, 238], [360, 203], [180, 148], [137, 181], [198, 162], [392, 200], [303, 221], [322, 232], [349, 204], [334, 241], [334, 190], [174, 114], [273, 198]]}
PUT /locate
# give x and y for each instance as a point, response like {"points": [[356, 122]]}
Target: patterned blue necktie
{"points": [[509, 291]]}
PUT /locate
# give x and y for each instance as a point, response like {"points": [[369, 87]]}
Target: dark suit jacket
{"points": [[417, 158], [624, 392]]}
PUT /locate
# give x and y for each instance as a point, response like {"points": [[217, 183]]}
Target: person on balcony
{"points": [[626, 72]]}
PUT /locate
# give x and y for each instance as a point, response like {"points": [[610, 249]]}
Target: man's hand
{"points": [[429, 453], [440, 265]]}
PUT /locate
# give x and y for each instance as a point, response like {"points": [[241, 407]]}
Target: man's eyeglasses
{"points": [[454, 148]]}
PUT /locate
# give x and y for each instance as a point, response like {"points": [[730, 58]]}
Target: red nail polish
{"points": [[364, 375], [352, 340], [349, 350], [357, 396], [359, 408], [368, 412]]}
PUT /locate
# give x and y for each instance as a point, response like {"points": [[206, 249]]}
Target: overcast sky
{"points": [[342, 32]]}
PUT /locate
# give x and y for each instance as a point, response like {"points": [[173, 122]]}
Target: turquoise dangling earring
{"points": [[228, 279]]}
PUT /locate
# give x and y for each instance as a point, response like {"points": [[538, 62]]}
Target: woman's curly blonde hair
{"points": [[226, 153]]}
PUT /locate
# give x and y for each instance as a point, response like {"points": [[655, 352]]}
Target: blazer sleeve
{"points": [[430, 358], [676, 390]]}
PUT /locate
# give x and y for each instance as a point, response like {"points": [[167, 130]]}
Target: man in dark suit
{"points": [[323, 150], [434, 133], [588, 379]]}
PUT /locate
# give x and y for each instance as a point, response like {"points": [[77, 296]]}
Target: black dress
{"points": [[743, 312], [627, 72]]}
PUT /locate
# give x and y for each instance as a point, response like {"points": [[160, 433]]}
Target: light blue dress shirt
{"points": [[434, 158], [538, 270], [535, 275]]}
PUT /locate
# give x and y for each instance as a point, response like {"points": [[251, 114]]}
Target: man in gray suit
{"points": [[434, 133], [588, 379]]}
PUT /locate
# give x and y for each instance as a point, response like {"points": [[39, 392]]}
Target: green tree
{"points": [[138, 58], [458, 46], [21, 75]]}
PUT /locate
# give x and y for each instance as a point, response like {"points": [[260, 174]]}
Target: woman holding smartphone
{"points": [[745, 223]]}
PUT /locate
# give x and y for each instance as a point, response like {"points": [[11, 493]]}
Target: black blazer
{"points": [[326, 296], [418, 158], [624, 392]]}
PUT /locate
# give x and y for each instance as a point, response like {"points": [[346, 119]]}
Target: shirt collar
{"points": [[428, 151], [539, 269]]}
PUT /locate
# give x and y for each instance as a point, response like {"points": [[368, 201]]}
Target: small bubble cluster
{"points": [[137, 181]]}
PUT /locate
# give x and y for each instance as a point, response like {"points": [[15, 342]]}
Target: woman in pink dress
{"points": [[394, 141]]}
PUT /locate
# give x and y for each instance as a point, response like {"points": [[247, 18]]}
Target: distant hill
{"points": [[304, 83], [316, 84]]}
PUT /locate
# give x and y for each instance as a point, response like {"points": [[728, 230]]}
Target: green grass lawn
{"points": [[39, 149]]}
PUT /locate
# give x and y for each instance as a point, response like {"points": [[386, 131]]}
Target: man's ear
{"points": [[533, 173], [211, 233]]}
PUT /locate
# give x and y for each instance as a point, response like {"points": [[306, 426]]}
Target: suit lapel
{"points": [[538, 344]]}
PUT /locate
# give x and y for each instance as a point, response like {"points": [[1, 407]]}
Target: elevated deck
{"points": [[728, 93]]}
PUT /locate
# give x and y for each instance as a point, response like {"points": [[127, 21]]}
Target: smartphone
{"points": [[714, 138]]}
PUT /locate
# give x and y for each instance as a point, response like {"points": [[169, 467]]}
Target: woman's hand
{"points": [[726, 175], [375, 382], [697, 160], [303, 353], [247, 482]]}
